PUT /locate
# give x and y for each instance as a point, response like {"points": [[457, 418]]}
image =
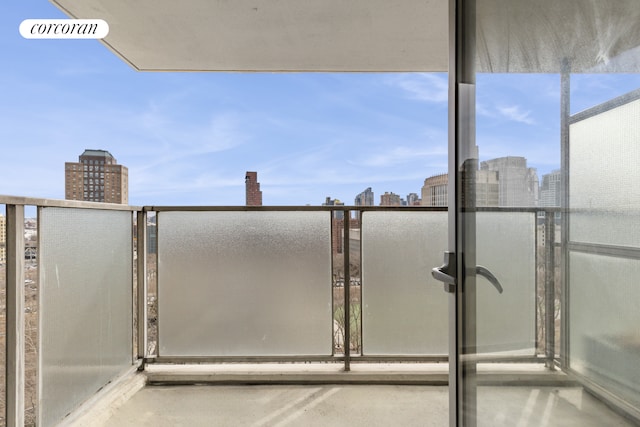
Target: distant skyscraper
{"points": [[487, 188], [434, 190], [252, 189], [390, 199], [337, 225], [413, 199], [334, 202], [97, 178], [550, 191], [365, 198], [518, 183]]}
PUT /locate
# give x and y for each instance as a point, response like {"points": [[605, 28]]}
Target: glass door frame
{"points": [[462, 166], [461, 240], [459, 270]]}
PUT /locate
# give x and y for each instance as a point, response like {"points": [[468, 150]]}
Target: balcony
{"points": [[128, 315]]}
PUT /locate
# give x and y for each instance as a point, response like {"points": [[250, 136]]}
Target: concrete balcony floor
{"points": [[364, 397]]}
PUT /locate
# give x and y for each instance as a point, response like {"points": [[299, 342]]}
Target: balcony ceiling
{"points": [[364, 35]]}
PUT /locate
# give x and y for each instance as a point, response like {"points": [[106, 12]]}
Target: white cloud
{"points": [[515, 113], [400, 155], [428, 87], [482, 110], [166, 141]]}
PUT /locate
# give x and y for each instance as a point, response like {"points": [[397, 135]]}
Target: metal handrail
{"points": [[32, 201]]}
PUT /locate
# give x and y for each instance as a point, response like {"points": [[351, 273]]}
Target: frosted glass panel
{"points": [[605, 166], [605, 319], [404, 309], [506, 246], [86, 305], [244, 283]]}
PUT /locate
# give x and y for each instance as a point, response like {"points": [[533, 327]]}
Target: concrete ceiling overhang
{"points": [[364, 35]]}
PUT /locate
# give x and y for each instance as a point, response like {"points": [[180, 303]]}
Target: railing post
{"points": [[141, 248], [347, 293], [565, 112], [15, 352], [549, 288]]}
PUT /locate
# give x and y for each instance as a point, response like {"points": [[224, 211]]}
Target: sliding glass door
{"points": [[544, 225]]}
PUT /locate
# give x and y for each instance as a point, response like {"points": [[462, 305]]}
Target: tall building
{"points": [[365, 198], [252, 189], [518, 183], [97, 177], [435, 191], [334, 202], [487, 188], [550, 190], [3, 239], [413, 199], [337, 225], [390, 199]]}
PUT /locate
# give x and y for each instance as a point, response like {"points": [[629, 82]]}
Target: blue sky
{"points": [[188, 138]]}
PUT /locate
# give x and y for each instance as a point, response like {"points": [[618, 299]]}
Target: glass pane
{"points": [[404, 309], [244, 283], [605, 243], [605, 337], [513, 263], [538, 63], [86, 305], [605, 166]]}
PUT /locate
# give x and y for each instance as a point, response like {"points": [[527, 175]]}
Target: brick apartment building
{"points": [[96, 177], [252, 189], [390, 199]]}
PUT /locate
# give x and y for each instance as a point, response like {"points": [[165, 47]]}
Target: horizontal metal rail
{"points": [[31, 201], [181, 360], [44, 202], [605, 250], [343, 208], [338, 208]]}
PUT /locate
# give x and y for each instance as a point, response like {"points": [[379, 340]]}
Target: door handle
{"points": [[484, 272], [446, 273]]}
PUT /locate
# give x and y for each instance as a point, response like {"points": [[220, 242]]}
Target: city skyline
{"points": [[188, 138]]}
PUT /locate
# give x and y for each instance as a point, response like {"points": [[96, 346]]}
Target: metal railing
{"points": [[350, 215], [15, 383], [344, 221]]}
